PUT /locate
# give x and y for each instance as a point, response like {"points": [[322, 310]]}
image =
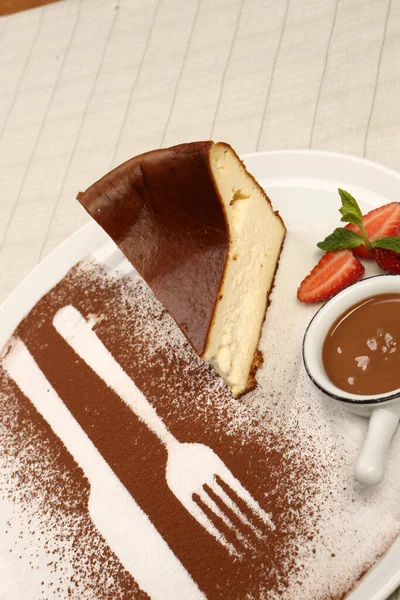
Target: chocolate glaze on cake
{"points": [[162, 210]]}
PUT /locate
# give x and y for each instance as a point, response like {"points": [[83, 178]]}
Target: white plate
{"points": [[303, 185]]}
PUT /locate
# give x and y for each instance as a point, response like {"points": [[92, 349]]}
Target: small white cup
{"points": [[383, 409]]}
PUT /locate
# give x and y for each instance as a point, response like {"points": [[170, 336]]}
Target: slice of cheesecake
{"points": [[203, 234]]}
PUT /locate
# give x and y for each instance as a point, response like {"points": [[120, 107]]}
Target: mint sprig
{"points": [[351, 213], [342, 238]]}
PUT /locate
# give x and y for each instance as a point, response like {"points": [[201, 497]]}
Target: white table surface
{"points": [[86, 84]]}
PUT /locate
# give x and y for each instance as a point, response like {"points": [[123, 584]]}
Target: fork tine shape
{"points": [[212, 523], [222, 529], [236, 492], [244, 528]]}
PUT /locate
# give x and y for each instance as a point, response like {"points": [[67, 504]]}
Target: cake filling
{"points": [[256, 237]]}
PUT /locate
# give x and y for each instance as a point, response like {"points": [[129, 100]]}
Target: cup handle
{"points": [[371, 463]]}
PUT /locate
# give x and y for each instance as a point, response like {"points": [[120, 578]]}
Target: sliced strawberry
{"points": [[388, 260], [334, 272], [380, 222]]}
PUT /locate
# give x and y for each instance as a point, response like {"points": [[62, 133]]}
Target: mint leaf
{"points": [[351, 213], [388, 243], [341, 239]]}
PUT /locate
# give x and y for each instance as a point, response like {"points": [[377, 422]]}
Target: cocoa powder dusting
{"points": [[42, 481], [49, 494]]}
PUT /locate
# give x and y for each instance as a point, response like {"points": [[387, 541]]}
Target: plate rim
{"points": [[362, 160]]}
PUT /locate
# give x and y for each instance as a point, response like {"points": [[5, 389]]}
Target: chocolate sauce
{"points": [[361, 353]]}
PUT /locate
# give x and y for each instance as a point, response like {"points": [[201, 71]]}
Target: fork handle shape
{"points": [[78, 333]]}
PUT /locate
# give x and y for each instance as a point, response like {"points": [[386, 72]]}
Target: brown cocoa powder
{"points": [[271, 461], [50, 494]]}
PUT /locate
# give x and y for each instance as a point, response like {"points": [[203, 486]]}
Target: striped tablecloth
{"points": [[86, 84]]}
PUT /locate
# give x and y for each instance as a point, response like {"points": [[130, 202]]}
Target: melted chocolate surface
{"points": [[163, 211]]}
